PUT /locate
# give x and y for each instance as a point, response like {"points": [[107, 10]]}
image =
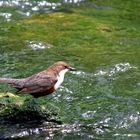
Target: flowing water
{"points": [[101, 100]]}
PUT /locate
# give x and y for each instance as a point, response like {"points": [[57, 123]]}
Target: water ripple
{"points": [[7, 16], [128, 121], [88, 114], [27, 7], [117, 68], [121, 67], [38, 45]]}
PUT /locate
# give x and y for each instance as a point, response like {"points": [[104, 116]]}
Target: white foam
{"points": [[88, 114], [121, 67], [7, 16], [38, 45]]}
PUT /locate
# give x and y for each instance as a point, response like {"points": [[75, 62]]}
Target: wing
{"points": [[38, 84]]}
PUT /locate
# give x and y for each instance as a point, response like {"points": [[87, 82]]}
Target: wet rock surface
{"points": [[21, 109]]}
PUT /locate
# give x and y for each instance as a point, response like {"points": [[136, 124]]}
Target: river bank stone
{"points": [[26, 108]]}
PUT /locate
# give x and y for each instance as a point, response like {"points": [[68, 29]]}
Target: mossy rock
{"points": [[26, 108]]}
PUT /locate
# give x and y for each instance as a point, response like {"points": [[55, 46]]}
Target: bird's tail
{"points": [[7, 80], [17, 83]]}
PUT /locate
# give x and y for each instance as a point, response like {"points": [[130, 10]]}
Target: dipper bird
{"points": [[42, 83]]}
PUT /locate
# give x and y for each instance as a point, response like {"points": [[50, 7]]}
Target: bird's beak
{"points": [[72, 69]]}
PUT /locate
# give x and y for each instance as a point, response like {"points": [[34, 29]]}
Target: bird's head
{"points": [[61, 66]]}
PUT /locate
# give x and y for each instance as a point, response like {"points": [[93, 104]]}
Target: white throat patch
{"points": [[60, 78]]}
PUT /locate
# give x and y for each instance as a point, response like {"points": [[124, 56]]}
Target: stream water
{"points": [[99, 101]]}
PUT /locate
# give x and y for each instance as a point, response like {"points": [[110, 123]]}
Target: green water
{"points": [[99, 38]]}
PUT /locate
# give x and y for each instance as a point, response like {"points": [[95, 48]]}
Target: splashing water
{"points": [[7, 16], [38, 45], [121, 67]]}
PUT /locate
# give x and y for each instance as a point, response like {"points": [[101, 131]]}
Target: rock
{"points": [[26, 108]]}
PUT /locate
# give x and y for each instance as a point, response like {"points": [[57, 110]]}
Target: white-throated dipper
{"points": [[42, 83]]}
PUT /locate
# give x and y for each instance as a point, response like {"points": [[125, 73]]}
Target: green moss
{"points": [[20, 109]]}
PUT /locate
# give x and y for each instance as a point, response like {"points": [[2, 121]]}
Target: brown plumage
{"points": [[42, 83]]}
